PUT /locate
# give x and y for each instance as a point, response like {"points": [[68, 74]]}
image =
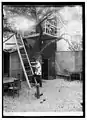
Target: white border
{"points": [[43, 113], [39, 113]]}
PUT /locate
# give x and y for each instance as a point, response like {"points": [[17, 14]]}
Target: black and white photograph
{"points": [[42, 59]]}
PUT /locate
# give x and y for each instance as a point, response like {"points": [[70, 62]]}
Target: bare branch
{"points": [[8, 38]]}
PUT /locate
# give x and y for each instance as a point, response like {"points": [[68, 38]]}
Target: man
{"points": [[38, 72]]}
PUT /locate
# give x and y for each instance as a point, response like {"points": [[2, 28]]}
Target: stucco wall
{"points": [[68, 60], [78, 60]]}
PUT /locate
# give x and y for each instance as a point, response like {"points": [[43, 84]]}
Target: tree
{"points": [[39, 14]]}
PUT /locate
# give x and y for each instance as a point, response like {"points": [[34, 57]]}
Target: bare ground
{"points": [[58, 95]]}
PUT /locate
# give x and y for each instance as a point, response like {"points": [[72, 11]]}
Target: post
{"points": [[37, 91], [10, 65]]}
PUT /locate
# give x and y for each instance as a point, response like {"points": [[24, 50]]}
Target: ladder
{"points": [[25, 62]]}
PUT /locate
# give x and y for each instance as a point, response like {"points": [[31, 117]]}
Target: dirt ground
{"points": [[58, 95]]}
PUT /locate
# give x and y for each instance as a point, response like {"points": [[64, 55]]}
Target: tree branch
{"points": [[44, 18], [8, 38]]}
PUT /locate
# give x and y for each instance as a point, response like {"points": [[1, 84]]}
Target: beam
{"points": [[10, 43], [8, 38]]}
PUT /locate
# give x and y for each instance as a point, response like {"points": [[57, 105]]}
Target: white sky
{"points": [[73, 25]]}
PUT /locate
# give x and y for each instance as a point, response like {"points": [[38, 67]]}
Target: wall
{"points": [[71, 61], [35, 47], [5, 63], [49, 50], [78, 60], [51, 66], [15, 65]]}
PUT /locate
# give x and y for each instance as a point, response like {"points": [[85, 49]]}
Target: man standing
{"points": [[38, 72]]}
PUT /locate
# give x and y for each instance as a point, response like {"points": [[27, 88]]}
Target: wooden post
{"points": [[37, 91], [10, 66], [80, 76]]}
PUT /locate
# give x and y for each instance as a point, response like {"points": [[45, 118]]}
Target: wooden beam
{"points": [[10, 43]]}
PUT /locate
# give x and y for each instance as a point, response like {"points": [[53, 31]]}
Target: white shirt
{"points": [[38, 68]]}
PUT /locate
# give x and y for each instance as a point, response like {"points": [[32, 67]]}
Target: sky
{"points": [[72, 18]]}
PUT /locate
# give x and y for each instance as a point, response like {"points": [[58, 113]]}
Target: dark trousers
{"points": [[38, 79]]}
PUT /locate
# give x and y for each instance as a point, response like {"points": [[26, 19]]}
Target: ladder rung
{"points": [[26, 63], [33, 62], [22, 51], [24, 58], [28, 71], [20, 43], [29, 75], [27, 67], [23, 54]]}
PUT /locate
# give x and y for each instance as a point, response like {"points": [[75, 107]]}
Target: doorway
{"points": [[6, 64], [45, 69]]}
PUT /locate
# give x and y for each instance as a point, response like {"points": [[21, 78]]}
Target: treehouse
{"points": [[48, 30], [44, 36]]}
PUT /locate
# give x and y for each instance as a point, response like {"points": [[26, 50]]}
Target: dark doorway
{"points": [[6, 64], [45, 69]]}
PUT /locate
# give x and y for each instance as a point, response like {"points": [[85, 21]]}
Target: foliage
{"points": [[39, 14]]}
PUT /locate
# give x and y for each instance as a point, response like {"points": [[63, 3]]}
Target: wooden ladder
{"points": [[25, 62]]}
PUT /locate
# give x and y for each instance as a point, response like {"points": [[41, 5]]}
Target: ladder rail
{"points": [[27, 55], [22, 63], [28, 59]]}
